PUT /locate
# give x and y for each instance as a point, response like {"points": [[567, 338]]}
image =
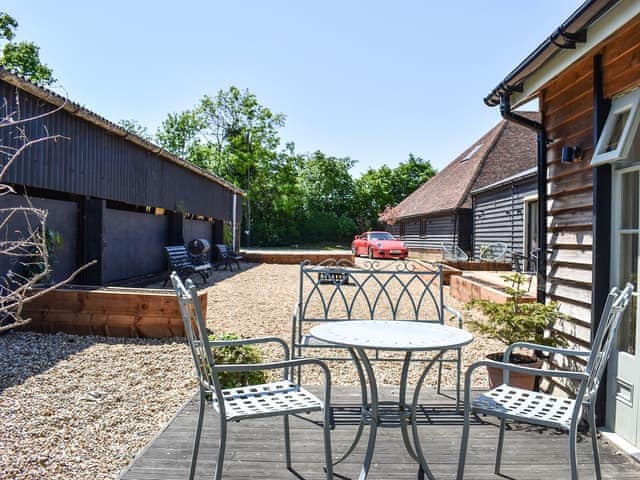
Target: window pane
{"points": [[616, 132], [628, 273], [629, 200]]}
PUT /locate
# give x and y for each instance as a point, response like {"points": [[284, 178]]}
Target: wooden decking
{"points": [[255, 449]]}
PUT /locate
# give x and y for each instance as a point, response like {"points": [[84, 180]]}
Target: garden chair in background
{"points": [[515, 404], [226, 256], [527, 265], [495, 252], [179, 260], [453, 253], [279, 398]]}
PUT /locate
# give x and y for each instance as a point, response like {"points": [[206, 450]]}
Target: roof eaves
{"points": [[531, 172], [580, 19], [79, 111]]}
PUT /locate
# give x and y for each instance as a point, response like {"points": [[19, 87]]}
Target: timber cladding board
{"points": [[109, 312]]}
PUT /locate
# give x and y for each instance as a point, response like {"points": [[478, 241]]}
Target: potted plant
{"points": [[517, 321]]}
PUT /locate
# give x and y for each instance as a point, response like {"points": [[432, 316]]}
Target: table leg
{"points": [[373, 421], [365, 401], [402, 405], [424, 467]]}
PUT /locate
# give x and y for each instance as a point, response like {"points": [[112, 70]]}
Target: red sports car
{"points": [[379, 245]]}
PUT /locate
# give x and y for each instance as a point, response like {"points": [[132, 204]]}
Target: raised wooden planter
{"points": [[292, 257], [466, 289], [110, 311], [480, 266]]}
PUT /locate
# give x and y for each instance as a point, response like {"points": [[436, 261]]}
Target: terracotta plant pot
{"points": [[516, 379]]}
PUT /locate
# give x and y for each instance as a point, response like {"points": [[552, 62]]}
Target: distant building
{"points": [[112, 195], [441, 210]]}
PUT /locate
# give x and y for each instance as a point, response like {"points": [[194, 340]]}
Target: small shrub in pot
{"points": [[517, 321], [237, 354]]}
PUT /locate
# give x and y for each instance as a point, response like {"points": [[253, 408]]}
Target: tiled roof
{"points": [[503, 151], [79, 111]]}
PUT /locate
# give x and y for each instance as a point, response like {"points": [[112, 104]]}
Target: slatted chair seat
{"points": [[515, 403], [267, 399]]}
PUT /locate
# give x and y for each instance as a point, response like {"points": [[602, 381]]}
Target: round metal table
{"points": [[405, 336]]}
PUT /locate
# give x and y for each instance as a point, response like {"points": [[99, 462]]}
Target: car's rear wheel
{"points": [[370, 252]]}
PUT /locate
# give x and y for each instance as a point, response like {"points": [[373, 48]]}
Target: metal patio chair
{"points": [[495, 252], [453, 253], [510, 403], [278, 398]]}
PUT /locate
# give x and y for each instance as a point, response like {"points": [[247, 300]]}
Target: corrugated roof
{"points": [[503, 151], [78, 110]]}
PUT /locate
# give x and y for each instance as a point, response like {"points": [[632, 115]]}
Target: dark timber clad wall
{"points": [[61, 218], [96, 163], [498, 216], [127, 252]]}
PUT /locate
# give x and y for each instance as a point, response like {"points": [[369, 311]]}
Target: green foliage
{"points": [[385, 187], [241, 354], [290, 198], [515, 321], [135, 127], [34, 264], [22, 57]]}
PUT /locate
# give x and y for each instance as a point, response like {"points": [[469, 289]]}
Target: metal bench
{"points": [[339, 290], [179, 261], [226, 257]]}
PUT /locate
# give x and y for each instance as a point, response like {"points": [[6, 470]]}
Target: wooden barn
{"points": [[586, 77], [440, 210], [111, 195]]}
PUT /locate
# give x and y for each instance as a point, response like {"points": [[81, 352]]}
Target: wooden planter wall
{"points": [[112, 312]]}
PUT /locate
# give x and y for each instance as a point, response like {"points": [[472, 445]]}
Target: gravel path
{"points": [[77, 407]]}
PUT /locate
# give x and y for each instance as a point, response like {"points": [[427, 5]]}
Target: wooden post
{"points": [[91, 239], [176, 228]]}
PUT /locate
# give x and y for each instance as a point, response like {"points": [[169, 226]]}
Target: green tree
{"points": [[409, 175], [327, 194], [378, 188], [179, 134], [22, 57], [135, 127]]}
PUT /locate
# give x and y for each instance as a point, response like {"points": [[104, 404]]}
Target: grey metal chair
{"points": [[278, 398], [453, 253], [494, 252], [510, 403]]}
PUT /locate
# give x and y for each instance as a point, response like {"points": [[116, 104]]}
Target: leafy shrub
{"points": [[514, 321], [229, 355]]}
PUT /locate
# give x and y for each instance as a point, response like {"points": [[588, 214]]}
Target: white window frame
{"points": [[628, 102], [525, 221]]}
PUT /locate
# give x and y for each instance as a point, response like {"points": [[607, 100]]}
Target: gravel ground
{"points": [[76, 407]]}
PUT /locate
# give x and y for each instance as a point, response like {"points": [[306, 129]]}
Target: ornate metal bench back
{"points": [[334, 291]]}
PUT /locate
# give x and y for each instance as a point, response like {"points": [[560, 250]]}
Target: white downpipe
{"points": [[233, 216]]}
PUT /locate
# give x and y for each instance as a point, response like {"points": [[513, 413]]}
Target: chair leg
{"points": [[458, 378], [496, 469], [573, 436], [464, 443], [327, 443], [196, 440], [594, 441], [439, 375], [221, 449], [287, 442]]}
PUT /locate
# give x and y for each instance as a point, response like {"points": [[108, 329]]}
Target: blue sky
{"points": [[372, 80]]}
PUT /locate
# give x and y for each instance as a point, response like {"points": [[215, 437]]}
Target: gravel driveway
{"points": [[76, 407]]}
